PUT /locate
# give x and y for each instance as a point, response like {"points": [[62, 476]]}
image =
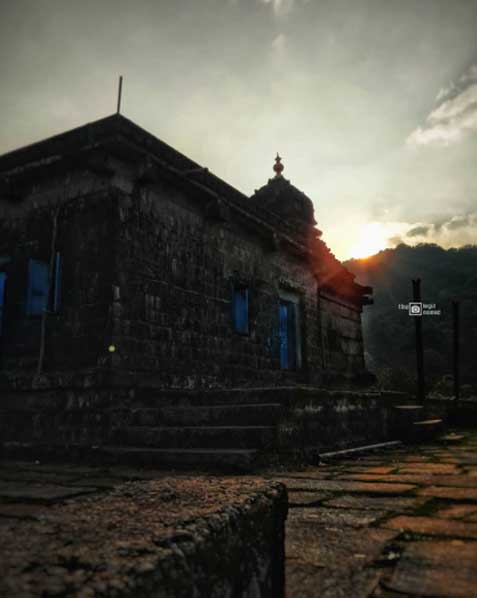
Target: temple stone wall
{"points": [[150, 258], [177, 268], [77, 334], [343, 349], [151, 271]]}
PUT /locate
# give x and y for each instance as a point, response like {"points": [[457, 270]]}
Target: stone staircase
{"points": [[415, 423], [185, 435], [228, 429]]}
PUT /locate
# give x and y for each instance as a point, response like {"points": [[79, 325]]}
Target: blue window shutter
{"points": [[240, 305], [3, 278], [291, 316], [57, 294], [37, 292], [283, 335]]}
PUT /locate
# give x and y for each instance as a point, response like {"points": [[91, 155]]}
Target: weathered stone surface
{"points": [[453, 493], [461, 511], [33, 476], [330, 562], [320, 538], [298, 498], [306, 543], [207, 537], [333, 549], [304, 484], [22, 511], [380, 470], [335, 517], [40, 492], [433, 526], [437, 569], [429, 468], [390, 504], [305, 580], [458, 481]]}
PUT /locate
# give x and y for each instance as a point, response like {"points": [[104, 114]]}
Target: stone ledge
{"points": [[163, 538]]}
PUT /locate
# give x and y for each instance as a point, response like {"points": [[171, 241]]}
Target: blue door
{"points": [[3, 278]]}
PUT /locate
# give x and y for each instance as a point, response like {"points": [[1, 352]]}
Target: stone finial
{"points": [[278, 166]]}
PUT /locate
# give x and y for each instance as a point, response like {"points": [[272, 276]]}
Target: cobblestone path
{"points": [[392, 524]]}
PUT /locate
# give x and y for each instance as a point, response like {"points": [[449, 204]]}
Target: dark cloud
{"points": [[455, 113], [394, 241], [459, 222], [438, 224], [418, 231], [450, 223]]}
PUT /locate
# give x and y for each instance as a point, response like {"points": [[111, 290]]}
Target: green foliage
{"points": [[389, 332]]}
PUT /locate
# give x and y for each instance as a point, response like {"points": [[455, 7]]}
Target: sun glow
{"points": [[373, 238]]}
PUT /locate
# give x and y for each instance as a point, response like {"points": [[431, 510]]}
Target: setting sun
{"points": [[373, 238]]}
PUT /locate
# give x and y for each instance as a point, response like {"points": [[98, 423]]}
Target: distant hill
{"points": [[389, 332]]}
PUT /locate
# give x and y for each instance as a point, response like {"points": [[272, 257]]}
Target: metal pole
{"points": [[456, 327], [416, 296], [120, 91]]}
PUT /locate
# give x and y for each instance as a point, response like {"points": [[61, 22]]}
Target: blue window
{"points": [[37, 292], [288, 335], [57, 284], [283, 311], [3, 279], [38, 295], [240, 307]]}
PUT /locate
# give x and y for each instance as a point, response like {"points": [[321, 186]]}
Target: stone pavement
{"points": [[392, 524], [70, 531]]}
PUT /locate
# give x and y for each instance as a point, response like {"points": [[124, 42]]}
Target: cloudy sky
{"points": [[371, 103]]}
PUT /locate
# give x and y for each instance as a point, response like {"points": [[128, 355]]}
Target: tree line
{"points": [[446, 275]]}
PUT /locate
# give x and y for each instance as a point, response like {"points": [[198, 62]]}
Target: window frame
{"points": [[241, 322], [51, 289], [293, 301]]}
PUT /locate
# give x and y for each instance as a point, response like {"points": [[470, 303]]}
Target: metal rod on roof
{"points": [[120, 91]]}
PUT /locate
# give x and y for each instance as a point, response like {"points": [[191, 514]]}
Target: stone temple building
{"points": [[128, 270]]}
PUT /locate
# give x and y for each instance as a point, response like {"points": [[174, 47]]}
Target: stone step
{"points": [[183, 398], [192, 437], [422, 431], [428, 424], [246, 415], [150, 397], [18, 425], [402, 417], [234, 459], [452, 438]]}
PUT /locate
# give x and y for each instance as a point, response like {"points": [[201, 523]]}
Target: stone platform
{"points": [[391, 524], [85, 532], [234, 429]]}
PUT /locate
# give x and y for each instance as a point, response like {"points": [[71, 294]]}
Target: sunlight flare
{"points": [[373, 238]]}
